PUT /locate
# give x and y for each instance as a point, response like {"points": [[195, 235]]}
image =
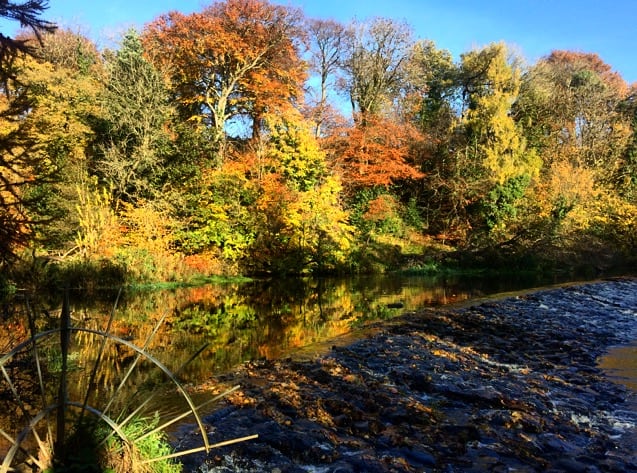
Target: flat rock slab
{"points": [[506, 385]]}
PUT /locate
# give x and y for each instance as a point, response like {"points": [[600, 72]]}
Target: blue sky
{"points": [[535, 27]]}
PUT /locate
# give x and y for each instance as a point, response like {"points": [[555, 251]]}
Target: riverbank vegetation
{"points": [[246, 138]]}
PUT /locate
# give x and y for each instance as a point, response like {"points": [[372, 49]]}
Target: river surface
{"points": [[499, 385], [202, 331], [227, 324]]}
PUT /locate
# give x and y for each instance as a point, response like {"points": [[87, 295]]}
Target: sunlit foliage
{"points": [[374, 154], [53, 137], [237, 58], [134, 134], [245, 138]]}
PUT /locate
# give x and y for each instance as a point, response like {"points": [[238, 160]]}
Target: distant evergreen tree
{"points": [[136, 111]]}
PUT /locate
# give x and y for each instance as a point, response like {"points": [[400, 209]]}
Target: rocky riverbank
{"points": [[507, 385]]}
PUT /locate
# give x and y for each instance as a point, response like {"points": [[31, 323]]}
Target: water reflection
{"points": [[222, 324], [231, 323]]}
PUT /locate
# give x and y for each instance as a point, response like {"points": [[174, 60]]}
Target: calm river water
{"points": [[199, 331]]}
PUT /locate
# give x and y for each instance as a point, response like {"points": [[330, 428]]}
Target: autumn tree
{"points": [[570, 107], [294, 152], [475, 157], [374, 155], [219, 218], [374, 64], [72, 50], [63, 98], [327, 46], [429, 102], [17, 164], [319, 229], [495, 165], [302, 224], [17, 169], [234, 59], [626, 175], [491, 86]]}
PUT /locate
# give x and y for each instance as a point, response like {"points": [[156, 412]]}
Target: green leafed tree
{"points": [[136, 112], [429, 103], [430, 89]]}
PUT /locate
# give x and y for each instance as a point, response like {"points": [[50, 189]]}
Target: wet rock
{"points": [[570, 465], [416, 457]]}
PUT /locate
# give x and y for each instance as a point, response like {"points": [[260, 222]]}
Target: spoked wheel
{"points": [[69, 411]]}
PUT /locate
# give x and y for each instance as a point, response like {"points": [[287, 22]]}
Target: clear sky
{"points": [[535, 27]]}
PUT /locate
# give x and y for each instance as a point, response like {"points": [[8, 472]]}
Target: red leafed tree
{"points": [[375, 154], [236, 58], [575, 60]]}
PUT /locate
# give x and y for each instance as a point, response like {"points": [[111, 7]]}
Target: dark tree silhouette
{"points": [[28, 15], [13, 217]]}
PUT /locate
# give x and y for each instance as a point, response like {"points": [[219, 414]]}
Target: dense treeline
{"points": [[222, 142]]}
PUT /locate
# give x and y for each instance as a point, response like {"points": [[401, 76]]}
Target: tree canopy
{"points": [[248, 138]]}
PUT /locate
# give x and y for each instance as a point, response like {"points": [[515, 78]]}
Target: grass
{"points": [[121, 457], [92, 448]]}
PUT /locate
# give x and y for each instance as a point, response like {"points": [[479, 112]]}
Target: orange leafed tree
{"points": [[375, 154], [237, 58]]}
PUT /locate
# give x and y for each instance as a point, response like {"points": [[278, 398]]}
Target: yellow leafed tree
{"points": [[319, 227], [500, 145]]}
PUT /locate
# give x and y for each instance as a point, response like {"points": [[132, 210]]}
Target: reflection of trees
{"points": [[59, 409], [262, 319], [236, 322]]}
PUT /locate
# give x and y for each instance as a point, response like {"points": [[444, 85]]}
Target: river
{"points": [[235, 322], [198, 332], [263, 319]]}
